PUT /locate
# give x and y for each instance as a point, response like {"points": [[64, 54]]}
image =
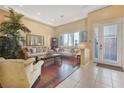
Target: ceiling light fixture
{"points": [[38, 13], [21, 6], [53, 20], [62, 16]]}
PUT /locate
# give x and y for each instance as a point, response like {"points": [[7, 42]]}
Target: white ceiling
{"points": [[55, 15]]}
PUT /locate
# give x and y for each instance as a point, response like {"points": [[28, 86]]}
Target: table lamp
{"points": [[82, 45]]}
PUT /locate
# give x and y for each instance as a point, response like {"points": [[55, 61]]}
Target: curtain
{"points": [[70, 39]]}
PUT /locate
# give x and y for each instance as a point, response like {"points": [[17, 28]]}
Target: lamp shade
{"points": [[82, 45]]}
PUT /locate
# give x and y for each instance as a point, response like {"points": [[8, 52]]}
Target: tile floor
{"points": [[92, 76]]}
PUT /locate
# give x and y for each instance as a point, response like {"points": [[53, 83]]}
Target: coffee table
{"points": [[52, 56]]}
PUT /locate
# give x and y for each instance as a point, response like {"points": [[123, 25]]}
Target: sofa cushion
{"points": [[31, 50], [28, 49], [39, 49], [38, 65], [34, 50]]}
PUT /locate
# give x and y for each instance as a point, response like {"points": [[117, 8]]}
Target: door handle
{"points": [[97, 43], [100, 46]]}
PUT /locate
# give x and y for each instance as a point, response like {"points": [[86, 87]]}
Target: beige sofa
{"points": [[33, 51], [18, 73], [68, 51]]}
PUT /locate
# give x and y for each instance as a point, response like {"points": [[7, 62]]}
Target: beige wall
{"points": [[40, 29], [80, 25], [35, 27], [107, 13], [2, 13]]}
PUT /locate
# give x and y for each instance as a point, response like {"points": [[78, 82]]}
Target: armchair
{"points": [[18, 73]]}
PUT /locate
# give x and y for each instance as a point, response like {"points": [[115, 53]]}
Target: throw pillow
{"points": [[1, 58], [38, 49]]}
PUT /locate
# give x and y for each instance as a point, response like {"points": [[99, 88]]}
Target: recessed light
{"points": [[52, 20], [62, 16], [21, 6], [38, 13]]}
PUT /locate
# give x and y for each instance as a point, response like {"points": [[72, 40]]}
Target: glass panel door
{"points": [[110, 43], [96, 43], [76, 39], [107, 43], [65, 37]]}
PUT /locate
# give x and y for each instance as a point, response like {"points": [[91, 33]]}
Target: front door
{"points": [[107, 46]]}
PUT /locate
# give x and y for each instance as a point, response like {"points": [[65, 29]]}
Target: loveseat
{"points": [[34, 51], [68, 51], [17, 73]]}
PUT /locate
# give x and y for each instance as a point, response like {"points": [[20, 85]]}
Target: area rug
{"points": [[110, 67], [54, 74]]}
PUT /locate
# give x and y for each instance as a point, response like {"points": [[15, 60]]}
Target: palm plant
{"points": [[10, 34]]}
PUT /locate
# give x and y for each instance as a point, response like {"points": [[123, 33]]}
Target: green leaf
{"points": [[10, 29]]}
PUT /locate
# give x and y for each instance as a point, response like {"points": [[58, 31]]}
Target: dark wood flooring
{"points": [[55, 73]]}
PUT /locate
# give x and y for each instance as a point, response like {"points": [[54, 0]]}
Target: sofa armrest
{"points": [[25, 62], [29, 71], [38, 65], [29, 64], [41, 62], [29, 61], [1, 58]]}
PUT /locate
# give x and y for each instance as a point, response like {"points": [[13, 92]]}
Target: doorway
{"points": [[107, 42]]}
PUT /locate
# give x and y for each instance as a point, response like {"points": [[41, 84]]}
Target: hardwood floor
{"points": [[53, 74]]}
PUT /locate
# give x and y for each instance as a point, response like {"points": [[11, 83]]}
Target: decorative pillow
{"points": [[26, 49], [31, 50], [38, 49], [1, 58], [57, 49], [34, 50], [61, 49], [44, 49], [72, 50], [41, 49]]}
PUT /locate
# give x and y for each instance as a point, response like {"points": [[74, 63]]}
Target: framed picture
{"points": [[34, 40]]}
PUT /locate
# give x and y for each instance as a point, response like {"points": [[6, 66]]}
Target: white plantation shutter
{"points": [[73, 39]]}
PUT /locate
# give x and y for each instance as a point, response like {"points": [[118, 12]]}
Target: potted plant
{"points": [[10, 34]]}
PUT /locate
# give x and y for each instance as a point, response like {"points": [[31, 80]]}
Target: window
{"points": [[76, 39], [65, 39], [72, 39], [42, 41]]}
